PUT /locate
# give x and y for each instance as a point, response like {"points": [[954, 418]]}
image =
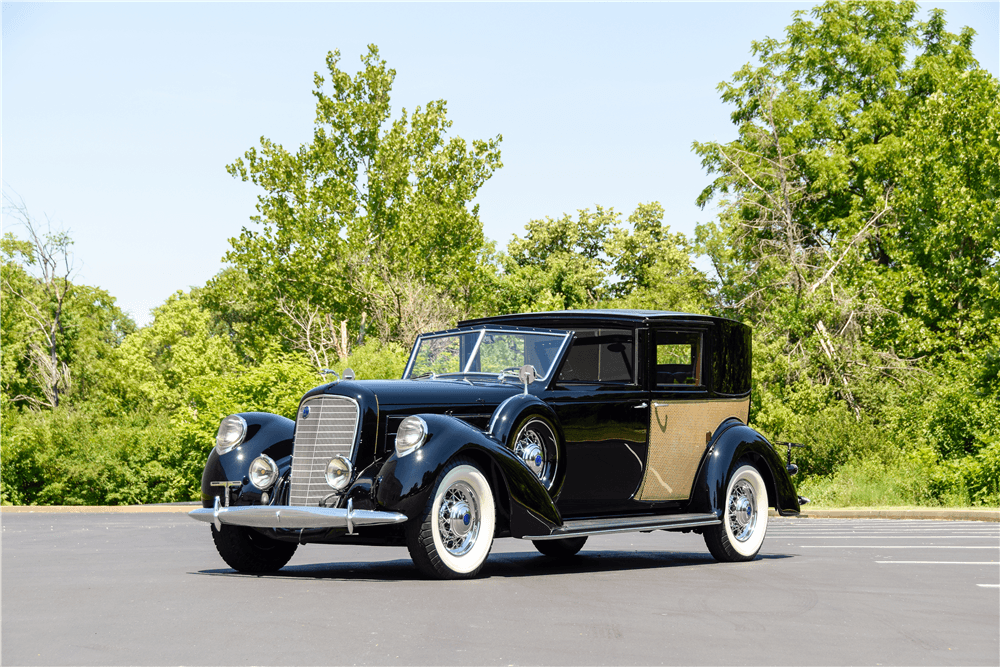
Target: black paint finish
{"points": [[602, 428]]}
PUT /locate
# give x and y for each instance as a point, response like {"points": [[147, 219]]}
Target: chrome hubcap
{"points": [[530, 448], [742, 510], [458, 519]]}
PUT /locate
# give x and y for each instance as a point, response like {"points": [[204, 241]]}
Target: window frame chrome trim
{"points": [[566, 335]]}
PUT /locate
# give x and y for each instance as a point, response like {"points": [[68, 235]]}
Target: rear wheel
{"points": [[744, 521], [246, 550], [454, 534], [564, 548]]}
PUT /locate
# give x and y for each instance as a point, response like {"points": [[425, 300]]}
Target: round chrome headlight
{"points": [[338, 473], [231, 432], [411, 434], [263, 472]]}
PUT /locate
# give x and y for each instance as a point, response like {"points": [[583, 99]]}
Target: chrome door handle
{"points": [[642, 405]]}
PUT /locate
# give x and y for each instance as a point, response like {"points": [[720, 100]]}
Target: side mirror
{"points": [[348, 374], [527, 375]]}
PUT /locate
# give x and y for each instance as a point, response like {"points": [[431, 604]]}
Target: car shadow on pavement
{"points": [[497, 565]]}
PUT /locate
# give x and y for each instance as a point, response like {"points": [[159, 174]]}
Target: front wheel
{"points": [[744, 520], [246, 550], [454, 534]]}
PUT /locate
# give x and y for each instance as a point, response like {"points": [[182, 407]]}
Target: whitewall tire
{"points": [[454, 534], [744, 518]]}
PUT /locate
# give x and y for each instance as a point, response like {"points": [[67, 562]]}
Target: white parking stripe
{"points": [[988, 585], [894, 546], [937, 562], [879, 537]]}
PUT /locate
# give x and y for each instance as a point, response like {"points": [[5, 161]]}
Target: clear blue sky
{"points": [[119, 119]]}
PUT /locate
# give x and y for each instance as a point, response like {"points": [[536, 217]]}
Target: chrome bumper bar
{"points": [[288, 516]]}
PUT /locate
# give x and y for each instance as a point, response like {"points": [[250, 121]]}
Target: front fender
{"points": [[266, 434], [733, 441], [404, 484]]}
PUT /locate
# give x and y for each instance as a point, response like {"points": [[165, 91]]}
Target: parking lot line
{"points": [[894, 546], [988, 585], [880, 537], [938, 562]]}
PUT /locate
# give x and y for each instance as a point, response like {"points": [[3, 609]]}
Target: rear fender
{"points": [[404, 484], [733, 441], [266, 434]]}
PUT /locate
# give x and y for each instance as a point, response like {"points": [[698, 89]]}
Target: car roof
{"points": [[595, 316]]}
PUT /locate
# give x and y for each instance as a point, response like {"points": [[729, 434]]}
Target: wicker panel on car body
{"points": [[330, 429], [678, 436]]}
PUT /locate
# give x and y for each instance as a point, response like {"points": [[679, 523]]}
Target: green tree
{"points": [[558, 264], [157, 364], [654, 266], [829, 235], [863, 173], [371, 205]]}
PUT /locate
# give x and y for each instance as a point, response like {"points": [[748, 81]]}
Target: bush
{"points": [[78, 456]]}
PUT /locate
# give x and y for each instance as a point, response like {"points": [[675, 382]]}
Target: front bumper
{"points": [[288, 516]]}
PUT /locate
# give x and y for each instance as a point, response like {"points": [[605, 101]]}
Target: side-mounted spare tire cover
{"points": [[506, 423]]}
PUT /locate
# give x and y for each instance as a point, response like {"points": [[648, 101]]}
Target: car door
{"points": [[683, 416], [603, 407]]}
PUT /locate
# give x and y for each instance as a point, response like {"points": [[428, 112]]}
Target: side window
{"points": [[678, 358], [600, 355]]}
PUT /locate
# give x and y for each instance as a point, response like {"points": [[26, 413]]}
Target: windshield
{"points": [[487, 352]]}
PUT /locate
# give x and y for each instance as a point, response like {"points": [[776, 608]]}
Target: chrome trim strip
{"points": [[285, 516], [667, 525]]}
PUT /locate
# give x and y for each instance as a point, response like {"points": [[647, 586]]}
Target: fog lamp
{"points": [[338, 473], [263, 472]]}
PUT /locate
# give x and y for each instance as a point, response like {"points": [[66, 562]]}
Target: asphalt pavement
{"points": [[149, 589]]}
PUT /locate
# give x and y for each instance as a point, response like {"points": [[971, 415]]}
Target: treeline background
{"points": [[855, 227]]}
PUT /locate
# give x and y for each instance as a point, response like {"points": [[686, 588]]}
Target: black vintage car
{"points": [[546, 427]]}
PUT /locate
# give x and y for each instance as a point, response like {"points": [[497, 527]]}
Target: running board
{"points": [[629, 524]]}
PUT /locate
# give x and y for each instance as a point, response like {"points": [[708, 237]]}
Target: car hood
{"points": [[414, 394]]}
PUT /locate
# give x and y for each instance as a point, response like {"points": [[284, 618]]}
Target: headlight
{"points": [[411, 434], [338, 473], [263, 472], [231, 432]]}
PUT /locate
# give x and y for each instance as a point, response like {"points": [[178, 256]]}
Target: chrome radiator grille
{"points": [[328, 429]]}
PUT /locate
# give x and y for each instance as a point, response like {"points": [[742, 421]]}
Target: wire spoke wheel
{"points": [[536, 445], [742, 510], [458, 519], [744, 521], [454, 534]]}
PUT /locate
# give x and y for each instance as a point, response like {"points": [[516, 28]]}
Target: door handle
{"points": [[641, 406]]}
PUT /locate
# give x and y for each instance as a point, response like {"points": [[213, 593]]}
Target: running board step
{"points": [[628, 524]]}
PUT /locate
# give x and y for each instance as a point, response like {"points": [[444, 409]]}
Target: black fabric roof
{"points": [[624, 315]]}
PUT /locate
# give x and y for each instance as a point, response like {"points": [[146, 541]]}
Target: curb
{"points": [[936, 513]]}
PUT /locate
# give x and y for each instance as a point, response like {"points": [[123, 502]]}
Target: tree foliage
{"points": [[856, 229], [372, 205]]}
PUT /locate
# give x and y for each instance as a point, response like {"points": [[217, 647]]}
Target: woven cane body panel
{"points": [[678, 435]]}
